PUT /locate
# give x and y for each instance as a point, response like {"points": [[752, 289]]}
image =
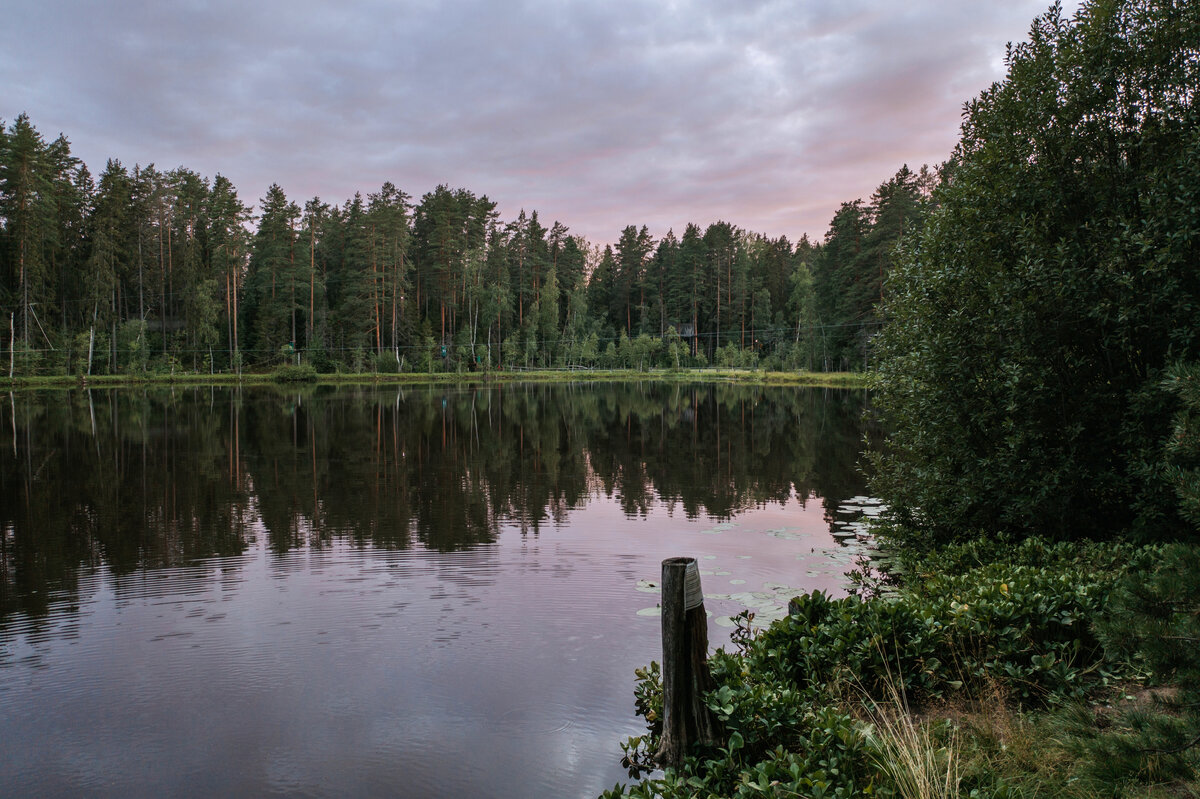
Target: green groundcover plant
{"points": [[866, 695]]}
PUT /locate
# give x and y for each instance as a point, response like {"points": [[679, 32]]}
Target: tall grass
{"points": [[920, 759], [913, 759]]}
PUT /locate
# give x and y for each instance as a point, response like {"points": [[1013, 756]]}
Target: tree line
{"points": [[149, 270]]}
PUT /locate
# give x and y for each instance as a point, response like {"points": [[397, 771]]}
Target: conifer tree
{"points": [[227, 252], [28, 235]]}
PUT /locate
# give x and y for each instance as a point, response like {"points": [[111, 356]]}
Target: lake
{"points": [[381, 591]]}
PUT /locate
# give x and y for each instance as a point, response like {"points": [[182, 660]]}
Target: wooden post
{"points": [[686, 719]]}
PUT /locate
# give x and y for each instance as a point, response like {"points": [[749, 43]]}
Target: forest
{"points": [[147, 270]]}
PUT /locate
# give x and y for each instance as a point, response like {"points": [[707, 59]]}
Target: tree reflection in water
{"points": [[144, 479]]}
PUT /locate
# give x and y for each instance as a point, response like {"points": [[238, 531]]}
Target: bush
{"points": [[320, 358], [387, 364], [785, 699], [133, 347], [304, 373]]}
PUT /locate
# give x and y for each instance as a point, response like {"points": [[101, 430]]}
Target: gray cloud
{"points": [[599, 114]]}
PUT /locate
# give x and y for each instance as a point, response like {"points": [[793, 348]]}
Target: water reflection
{"points": [[380, 591], [147, 479]]}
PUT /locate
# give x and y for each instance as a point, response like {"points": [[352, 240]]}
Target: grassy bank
{"points": [[990, 671], [814, 379]]}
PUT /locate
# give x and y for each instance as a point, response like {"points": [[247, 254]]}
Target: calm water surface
{"points": [[384, 592]]}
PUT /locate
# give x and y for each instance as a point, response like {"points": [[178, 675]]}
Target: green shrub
{"points": [[304, 373], [387, 364], [951, 632], [320, 358]]}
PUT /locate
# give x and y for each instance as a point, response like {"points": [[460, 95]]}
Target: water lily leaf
{"points": [[649, 587], [654, 611], [784, 534]]}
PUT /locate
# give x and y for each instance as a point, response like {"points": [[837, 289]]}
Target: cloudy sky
{"points": [[597, 113]]}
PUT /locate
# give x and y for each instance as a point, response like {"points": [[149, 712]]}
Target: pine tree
{"points": [[30, 223], [227, 250], [349, 280], [601, 290], [272, 283], [315, 224], [688, 285], [661, 268], [388, 223], [110, 247]]}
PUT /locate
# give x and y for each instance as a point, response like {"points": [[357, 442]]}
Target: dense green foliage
{"points": [[145, 271], [792, 698], [1030, 323], [1156, 619], [850, 268], [1036, 369], [1183, 446]]}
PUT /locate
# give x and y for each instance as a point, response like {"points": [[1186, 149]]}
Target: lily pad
{"points": [[649, 586], [654, 611], [785, 535]]}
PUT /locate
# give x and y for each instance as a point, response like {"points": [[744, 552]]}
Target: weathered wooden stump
{"points": [[686, 719]]}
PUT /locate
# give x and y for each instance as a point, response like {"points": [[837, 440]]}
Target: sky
{"points": [[595, 113]]}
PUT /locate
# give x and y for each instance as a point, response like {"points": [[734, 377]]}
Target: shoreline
{"points": [[801, 379]]}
